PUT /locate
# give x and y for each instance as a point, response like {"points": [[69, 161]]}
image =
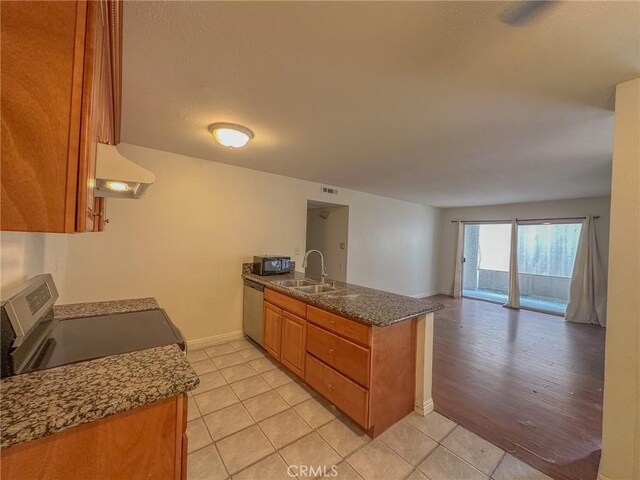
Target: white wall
{"points": [[556, 208], [185, 240], [23, 255], [326, 235], [621, 413]]}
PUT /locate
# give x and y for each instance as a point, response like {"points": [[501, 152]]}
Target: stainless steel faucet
{"points": [[323, 270]]}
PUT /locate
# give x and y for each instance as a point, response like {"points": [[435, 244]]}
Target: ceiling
{"points": [[437, 103]]}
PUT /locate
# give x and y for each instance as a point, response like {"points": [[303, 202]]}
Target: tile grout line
{"points": [[278, 450], [215, 445], [215, 442], [313, 430], [504, 452], [438, 444], [342, 459], [468, 463], [422, 459], [493, 470]]}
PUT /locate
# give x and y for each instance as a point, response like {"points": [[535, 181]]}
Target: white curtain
{"points": [[457, 275], [588, 290], [514, 286]]}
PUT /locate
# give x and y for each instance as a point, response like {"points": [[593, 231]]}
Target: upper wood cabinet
{"points": [[61, 83]]}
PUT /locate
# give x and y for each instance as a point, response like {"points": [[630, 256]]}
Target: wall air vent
{"points": [[331, 190]]}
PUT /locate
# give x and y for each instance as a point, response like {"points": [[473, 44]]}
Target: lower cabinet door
{"points": [[272, 329], [140, 444], [294, 341]]}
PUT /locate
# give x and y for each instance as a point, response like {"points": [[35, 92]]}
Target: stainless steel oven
{"points": [[32, 338]]}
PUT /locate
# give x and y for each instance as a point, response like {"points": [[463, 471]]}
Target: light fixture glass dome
{"points": [[230, 134]]}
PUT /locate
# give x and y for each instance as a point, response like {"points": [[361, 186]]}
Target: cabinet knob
{"points": [[331, 350], [332, 323], [330, 386]]}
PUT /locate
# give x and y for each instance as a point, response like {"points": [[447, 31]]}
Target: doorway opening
{"points": [[328, 231], [546, 254]]}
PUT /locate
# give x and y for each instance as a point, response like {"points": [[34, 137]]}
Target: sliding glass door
{"points": [[485, 273], [546, 254]]}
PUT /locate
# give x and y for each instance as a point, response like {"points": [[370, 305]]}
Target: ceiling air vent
{"points": [[331, 190]]}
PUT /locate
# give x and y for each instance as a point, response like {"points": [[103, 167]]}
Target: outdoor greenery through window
{"points": [[548, 249]]}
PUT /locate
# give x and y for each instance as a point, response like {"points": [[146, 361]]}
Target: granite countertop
{"points": [[367, 305], [38, 404], [77, 310]]}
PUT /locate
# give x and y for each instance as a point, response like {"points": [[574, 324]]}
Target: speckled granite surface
{"points": [[367, 305], [38, 404], [76, 310]]}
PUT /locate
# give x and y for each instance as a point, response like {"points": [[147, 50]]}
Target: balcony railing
{"points": [[549, 287]]}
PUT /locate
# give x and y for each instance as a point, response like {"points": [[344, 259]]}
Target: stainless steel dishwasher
{"points": [[252, 310]]}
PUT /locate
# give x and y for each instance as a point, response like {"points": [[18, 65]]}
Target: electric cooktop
{"points": [[32, 339]]}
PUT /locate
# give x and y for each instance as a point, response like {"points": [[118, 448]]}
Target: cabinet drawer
{"points": [[285, 302], [353, 330], [348, 358], [349, 397]]}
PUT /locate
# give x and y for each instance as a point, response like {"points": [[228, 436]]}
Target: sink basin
{"points": [[315, 289], [296, 283]]}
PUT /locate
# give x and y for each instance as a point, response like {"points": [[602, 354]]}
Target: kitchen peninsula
{"points": [[367, 351]]}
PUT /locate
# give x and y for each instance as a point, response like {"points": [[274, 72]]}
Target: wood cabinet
{"points": [[148, 442], [60, 96], [349, 397], [366, 371], [294, 335], [272, 329], [351, 359], [354, 331], [286, 303], [100, 208]]}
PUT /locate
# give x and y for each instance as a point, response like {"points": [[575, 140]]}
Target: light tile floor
{"points": [[250, 419]]}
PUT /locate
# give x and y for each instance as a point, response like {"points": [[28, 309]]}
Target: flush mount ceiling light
{"points": [[230, 134]]}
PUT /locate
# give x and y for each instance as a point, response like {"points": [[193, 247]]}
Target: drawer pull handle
{"points": [[332, 323], [330, 386], [331, 350]]}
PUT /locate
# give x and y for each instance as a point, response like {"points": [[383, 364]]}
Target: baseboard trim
{"points": [[214, 340], [426, 294], [425, 408]]}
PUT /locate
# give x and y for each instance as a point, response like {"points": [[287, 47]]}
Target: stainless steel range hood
{"points": [[119, 177]]}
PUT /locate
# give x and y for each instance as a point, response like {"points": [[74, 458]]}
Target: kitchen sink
{"points": [[315, 289], [303, 282]]}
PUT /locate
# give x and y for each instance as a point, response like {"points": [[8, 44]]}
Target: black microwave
{"points": [[273, 265]]}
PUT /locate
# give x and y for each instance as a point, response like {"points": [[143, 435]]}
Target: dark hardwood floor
{"points": [[528, 382]]}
